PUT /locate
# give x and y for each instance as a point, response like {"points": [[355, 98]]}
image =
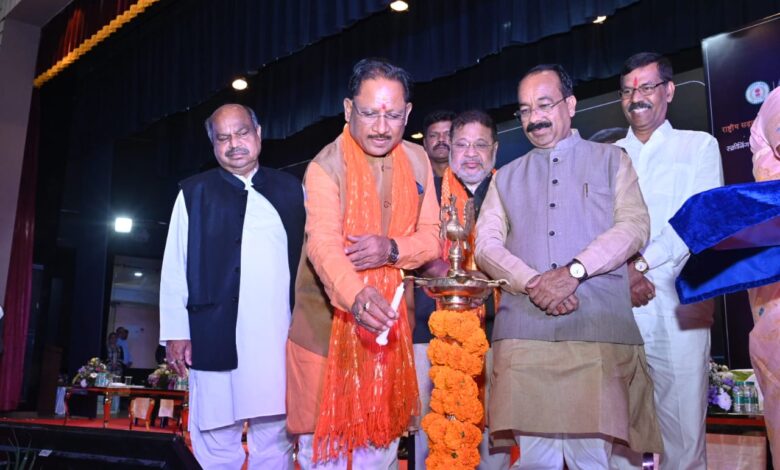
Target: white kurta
{"points": [[257, 386], [672, 166]]}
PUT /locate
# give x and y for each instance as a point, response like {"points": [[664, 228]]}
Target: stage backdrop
{"points": [[740, 68]]}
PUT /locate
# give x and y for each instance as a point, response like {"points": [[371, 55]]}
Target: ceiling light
{"points": [[399, 5], [240, 84], [138, 274], [123, 224], [417, 136], [600, 19]]}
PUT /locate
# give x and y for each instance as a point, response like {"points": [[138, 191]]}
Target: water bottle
{"points": [[752, 398], [181, 383], [740, 397]]}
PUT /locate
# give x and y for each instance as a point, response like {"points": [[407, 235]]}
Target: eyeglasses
{"points": [[370, 117], [525, 112], [644, 90], [462, 146]]}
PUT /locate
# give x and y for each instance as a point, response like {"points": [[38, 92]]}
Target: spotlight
{"points": [[240, 84], [123, 224], [417, 136], [138, 274], [600, 19], [399, 6]]}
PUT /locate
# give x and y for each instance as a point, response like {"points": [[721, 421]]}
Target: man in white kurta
{"points": [[221, 401], [672, 165]]}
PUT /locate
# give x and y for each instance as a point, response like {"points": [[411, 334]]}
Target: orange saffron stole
{"points": [[370, 391]]}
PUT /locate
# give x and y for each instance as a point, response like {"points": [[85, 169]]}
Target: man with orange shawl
{"points": [[372, 211], [468, 175]]}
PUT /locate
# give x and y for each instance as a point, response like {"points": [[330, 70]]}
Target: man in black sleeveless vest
{"points": [[225, 295]]}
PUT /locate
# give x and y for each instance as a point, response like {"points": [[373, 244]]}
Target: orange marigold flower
{"points": [[457, 356]]}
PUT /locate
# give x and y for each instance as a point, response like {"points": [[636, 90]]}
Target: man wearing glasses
{"points": [[233, 246], [471, 162], [372, 211], [569, 373], [672, 165]]}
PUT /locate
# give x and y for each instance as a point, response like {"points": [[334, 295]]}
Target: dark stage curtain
{"points": [[458, 66], [18, 288], [180, 53], [185, 52]]}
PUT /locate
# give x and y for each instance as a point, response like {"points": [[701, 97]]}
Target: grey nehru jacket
{"points": [[557, 201]]}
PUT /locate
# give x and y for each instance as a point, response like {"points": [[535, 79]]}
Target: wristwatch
{"points": [[640, 264], [577, 270], [392, 258]]}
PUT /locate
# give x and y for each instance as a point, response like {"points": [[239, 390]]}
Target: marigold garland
{"points": [[457, 355]]}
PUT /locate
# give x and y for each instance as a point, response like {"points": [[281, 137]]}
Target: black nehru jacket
{"points": [[216, 201]]}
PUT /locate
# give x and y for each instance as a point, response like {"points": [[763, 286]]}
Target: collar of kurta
{"points": [[661, 133], [257, 179], [565, 144]]}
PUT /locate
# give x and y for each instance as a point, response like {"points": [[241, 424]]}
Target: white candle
{"points": [[381, 339]]}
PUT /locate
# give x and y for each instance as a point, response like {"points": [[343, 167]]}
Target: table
{"points": [[181, 396], [735, 429]]}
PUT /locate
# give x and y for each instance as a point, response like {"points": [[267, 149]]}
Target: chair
{"points": [[141, 408]]}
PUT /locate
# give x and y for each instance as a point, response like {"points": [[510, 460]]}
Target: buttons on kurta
{"points": [[555, 160], [555, 181], [552, 205], [552, 233], [554, 265]]}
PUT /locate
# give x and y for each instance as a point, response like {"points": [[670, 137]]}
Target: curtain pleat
{"points": [[19, 283]]}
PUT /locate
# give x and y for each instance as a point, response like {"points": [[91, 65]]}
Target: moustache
{"points": [[639, 105], [380, 136], [534, 126], [237, 151], [441, 145], [472, 161]]}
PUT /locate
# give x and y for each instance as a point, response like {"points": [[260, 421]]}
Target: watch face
{"points": [[640, 265], [393, 258], [577, 270]]}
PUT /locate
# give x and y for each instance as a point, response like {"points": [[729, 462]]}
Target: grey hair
{"points": [[210, 120]]}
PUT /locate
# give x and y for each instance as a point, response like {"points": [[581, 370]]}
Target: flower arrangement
{"points": [[721, 384], [162, 377], [457, 355], [88, 373]]}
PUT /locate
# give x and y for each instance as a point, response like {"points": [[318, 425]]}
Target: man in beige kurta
{"points": [[559, 223]]}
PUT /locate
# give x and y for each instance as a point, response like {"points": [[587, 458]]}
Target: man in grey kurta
{"points": [[559, 223]]}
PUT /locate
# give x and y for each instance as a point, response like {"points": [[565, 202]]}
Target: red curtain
{"points": [[74, 25], [18, 289]]}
